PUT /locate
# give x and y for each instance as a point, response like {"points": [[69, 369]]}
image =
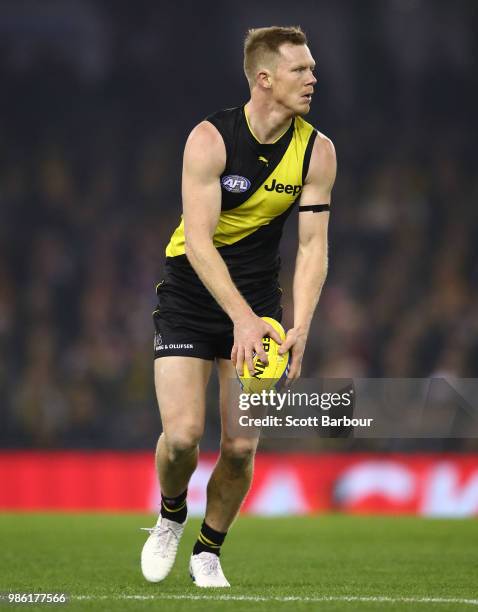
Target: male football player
{"points": [[244, 169]]}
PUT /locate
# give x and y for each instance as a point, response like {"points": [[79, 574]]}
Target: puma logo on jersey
{"points": [[281, 188]]}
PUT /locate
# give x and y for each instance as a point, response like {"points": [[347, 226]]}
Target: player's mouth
{"points": [[307, 97]]}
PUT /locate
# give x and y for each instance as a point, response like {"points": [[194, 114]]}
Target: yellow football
{"points": [[267, 376]]}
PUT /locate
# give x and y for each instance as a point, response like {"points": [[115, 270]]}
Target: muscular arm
{"points": [[204, 161], [311, 263]]}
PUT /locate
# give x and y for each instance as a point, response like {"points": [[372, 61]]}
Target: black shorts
{"points": [[170, 340], [173, 340]]}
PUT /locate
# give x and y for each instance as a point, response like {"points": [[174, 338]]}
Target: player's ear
{"points": [[264, 79]]}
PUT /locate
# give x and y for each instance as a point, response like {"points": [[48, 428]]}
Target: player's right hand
{"points": [[248, 334]]}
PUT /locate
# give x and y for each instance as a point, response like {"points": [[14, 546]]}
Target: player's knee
{"points": [[238, 453], [180, 444]]}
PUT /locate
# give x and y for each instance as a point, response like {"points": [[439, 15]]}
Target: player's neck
{"points": [[267, 123]]}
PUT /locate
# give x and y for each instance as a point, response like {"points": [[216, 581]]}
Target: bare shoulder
{"points": [[205, 134], [324, 149], [323, 161], [205, 147]]}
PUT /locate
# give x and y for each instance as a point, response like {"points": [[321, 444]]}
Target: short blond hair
{"points": [[263, 43]]}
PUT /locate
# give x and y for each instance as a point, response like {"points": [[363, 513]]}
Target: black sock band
{"points": [[175, 508], [209, 540]]}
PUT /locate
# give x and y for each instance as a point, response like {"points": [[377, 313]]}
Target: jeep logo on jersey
{"points": [[235, 183], [281, 188]]}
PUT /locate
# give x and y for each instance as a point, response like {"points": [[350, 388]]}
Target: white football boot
{"points": [[206, 571], [159, 550]]}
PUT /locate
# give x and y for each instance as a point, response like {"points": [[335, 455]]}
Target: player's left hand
{"points": [[295, 343]]}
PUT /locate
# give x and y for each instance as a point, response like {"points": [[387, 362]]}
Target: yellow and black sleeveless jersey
{"points": [[259, 186]]}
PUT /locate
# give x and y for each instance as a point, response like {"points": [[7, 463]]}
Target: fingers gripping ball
{"points": [[267, 376]]}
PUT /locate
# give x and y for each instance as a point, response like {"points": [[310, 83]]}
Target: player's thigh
{"points": [[240, 446], [181, 392]]}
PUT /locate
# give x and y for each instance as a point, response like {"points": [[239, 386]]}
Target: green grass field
{"points": [[326, 563]]}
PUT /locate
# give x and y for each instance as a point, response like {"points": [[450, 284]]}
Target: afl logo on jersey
{"points": [[235, 183]]}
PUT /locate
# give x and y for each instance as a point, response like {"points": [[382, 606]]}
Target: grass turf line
{"points": [[308, 558]]}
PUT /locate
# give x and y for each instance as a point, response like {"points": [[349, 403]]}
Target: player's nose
{"points": [[312, 80]]}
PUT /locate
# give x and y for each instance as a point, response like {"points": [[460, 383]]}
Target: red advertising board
{"points": [[424, 484]]}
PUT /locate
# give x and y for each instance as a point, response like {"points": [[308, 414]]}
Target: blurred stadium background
{"points": [[97, 100]]}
